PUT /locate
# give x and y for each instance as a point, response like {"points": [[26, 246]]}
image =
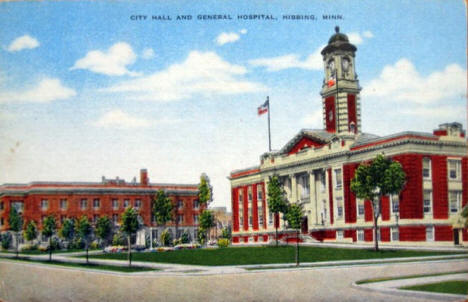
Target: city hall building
{"points": [[110, 197], [316, 168]]}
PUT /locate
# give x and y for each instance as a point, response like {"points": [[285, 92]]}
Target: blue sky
{"points": [[86, 91]]}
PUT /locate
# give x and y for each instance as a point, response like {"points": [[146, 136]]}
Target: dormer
{"points": [[450, 131]]}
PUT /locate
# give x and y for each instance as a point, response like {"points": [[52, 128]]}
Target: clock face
{"points": [[345, 63], [331, 65]]}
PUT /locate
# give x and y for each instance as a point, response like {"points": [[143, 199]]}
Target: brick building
{"points": [[109, 197], [316, 168]]}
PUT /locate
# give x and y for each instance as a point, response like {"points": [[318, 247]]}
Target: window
{"points": [[260, 215], [180, 218], [304, 184], [63, 204], [322, 182], [360, 207], [62, 219], [454, 169], [180, 204], [427, 168], [270, 218], [241, 200], [339, 207], [360, 235], [195, 204], [378, 235], [195, 219], [96, 203], [241, 219], [126, 203], [18, 205], [115, 218], [83, 204], [324, 212], [115, 204], [95, 218], [44, 204], [455, 201], [338, 181], [339, 235], [427, 201], [137, 203], [250, 194], [395, 234], [179, 233], [259, 193], [395, 201], [429, 233], [1, 206], [154, 233]]}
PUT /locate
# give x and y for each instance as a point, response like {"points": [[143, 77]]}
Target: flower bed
{"points": [[115, 249]]}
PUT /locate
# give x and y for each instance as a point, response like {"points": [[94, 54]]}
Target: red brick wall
{"points": [[235, 239], [235, 209], [465, 181], [439, 186], [385, 211], [349, 197], [265, 218], [330, 106], [385, 234], [350, 234], [412, 233], [369, 235], [330, 192], [411, 205], [368, 212], [305, 141], [443, 233], [246, 208], [254, 208], [352, 111], [324, 234]]}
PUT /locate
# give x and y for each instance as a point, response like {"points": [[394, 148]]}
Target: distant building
{"points": [[316, 168], [223, 219], [109, 197]]}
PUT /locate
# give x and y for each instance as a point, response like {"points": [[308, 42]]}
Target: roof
{"points": [[317, 135], [371, 139], [338, 41]]}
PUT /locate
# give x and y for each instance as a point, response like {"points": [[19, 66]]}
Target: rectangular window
{"points": [[259, 193], [155, 234], [304, 184], [395, 201], [250, 194], [180, 204], [18, 205], [427, 201], [395, 234], [323, 183], [455, 201], [360, 208], [426, 168], [241, 200], [195, 219], [83, 204], [96, 203], [378, 235], [270, 218], [137, 203], [115, 218], [95, 218], [44, 204], [241, 219], [360, 235], [338, 180], [339, 207], [180, 218], [63, 204], [195, 204], [126, 203], [429, 233], [115, 204], [454, 169], [62, 219], [1, 206], [324, 211], [339, 235]]}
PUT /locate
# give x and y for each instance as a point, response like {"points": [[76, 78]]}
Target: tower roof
{"points": [[338, 41]]}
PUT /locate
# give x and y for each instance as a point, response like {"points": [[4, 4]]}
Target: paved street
{"points": [[35, 282]]}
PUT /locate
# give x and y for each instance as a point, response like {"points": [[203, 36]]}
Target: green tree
{"points": [[372, 181], [204, 189], [49, 226], [67, 231], [276, 200], [207, 221], [84, 229], [30, 233], [129, 226], [15, 222], [294, 218], [103, 229], [226, 233], [162, 208], [5, 238]]}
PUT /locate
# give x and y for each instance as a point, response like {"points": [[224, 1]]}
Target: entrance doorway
{"points": [[456, 239], [305, 225]]}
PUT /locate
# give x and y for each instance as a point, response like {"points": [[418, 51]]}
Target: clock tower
{"points": [[340, 89]]}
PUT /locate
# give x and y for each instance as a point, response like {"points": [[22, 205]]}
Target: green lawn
{"points": [[265, 255], [459, 287], [123, 269], [38, 252]]}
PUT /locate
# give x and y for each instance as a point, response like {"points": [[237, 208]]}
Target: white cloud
{"points": [[47, 90], [357, 38], [367, 34], [243, 31], [224, 38], [148, 53], [119, 119], [313, 62], [112, 62], [202, 73], [23, 42], [402, 82], [313, 119]]}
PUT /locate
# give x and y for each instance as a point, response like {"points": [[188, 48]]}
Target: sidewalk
{"points": [[392, 287]]}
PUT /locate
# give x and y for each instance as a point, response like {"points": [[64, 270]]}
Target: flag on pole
{"points": [[263, 108]]}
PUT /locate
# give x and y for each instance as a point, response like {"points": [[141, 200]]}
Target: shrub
{"points": [[176, 241], [29, 247], [226, 233], [94, 245], [76, 243], [185, 237], [54, 244], [201, 236], [6, 240], [119, 239], [223, 242], [166, 238]]}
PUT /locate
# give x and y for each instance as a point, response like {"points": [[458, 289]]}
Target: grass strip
{"points": [[267, 255], [458, 287], [408, 277], [105, 267], [38, 252]]}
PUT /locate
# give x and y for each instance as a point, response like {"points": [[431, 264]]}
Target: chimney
{"points": [[144, 177]]}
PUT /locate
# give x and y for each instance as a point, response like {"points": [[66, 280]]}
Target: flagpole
{"points": [[269, 133]]}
